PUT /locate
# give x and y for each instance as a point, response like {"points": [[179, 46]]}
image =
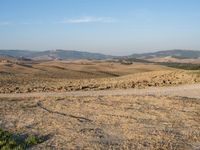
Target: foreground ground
{"points": [[106, 122]]}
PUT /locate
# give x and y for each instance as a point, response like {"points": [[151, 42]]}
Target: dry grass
{"points": [[58, 76], [111, 122], [75, 69]]}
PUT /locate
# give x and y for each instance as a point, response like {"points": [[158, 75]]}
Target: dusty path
{"points": [[191, 91]]}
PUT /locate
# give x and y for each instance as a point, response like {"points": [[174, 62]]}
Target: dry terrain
{"points": [[87, 104], [61, 76], [106, 122], [189, 91], [176, 60]]}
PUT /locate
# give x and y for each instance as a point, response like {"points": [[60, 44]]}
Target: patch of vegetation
{"points": [[124, 62], [129, 61], [24, 65], [10, 141], [180, 57], [185, 66]]}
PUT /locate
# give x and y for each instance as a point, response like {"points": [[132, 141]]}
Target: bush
{"points": [[9, 141]]}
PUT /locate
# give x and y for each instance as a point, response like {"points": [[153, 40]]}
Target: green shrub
{"points": [[31, 140], [9, 141]]}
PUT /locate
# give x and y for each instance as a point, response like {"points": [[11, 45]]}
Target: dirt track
{"points": [[190, 91]]}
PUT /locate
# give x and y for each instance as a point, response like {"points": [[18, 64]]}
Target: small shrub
{"points": [[9, 141], [31, 140]]}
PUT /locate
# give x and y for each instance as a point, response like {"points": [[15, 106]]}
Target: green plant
{"points": [[31, 140], [10, 141]]}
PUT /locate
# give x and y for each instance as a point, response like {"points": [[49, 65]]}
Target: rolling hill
{"points": [[181, 56], [168, 56], [53, 54]]}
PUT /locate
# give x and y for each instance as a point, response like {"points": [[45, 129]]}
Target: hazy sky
{"points": [[106, 26]]}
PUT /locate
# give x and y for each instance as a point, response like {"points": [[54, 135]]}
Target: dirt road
{"points": [[190, 91]]}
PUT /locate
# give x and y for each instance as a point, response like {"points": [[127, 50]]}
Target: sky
{"points": [[116, 27]]}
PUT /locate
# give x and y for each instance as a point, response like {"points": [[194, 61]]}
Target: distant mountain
{"points": [[17, 53], [53, 54], [160, 56], [7, 58], [180, 54]]}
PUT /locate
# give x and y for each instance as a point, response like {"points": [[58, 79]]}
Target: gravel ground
{"points": [[189, 90]]}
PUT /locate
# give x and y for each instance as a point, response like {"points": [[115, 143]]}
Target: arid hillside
{"points": [[44, 76]]}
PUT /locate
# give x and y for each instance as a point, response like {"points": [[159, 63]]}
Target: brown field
{"points": [[140, 122], [79, 69], [59, 76]]}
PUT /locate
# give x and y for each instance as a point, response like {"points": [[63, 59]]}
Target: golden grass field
{"points": [[99, 122]]}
